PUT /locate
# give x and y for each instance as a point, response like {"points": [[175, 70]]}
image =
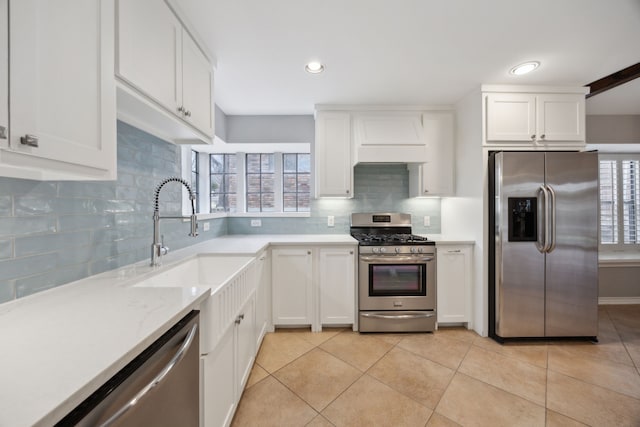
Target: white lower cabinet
{"points": [[313, 286], [263, 296], [292, 270], [226, 369], [454, 283], [336, 284]]}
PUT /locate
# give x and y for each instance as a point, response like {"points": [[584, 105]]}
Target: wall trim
{"points": [[618, 300]]}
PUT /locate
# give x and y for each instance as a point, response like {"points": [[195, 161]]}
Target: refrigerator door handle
{"points": [[552, 225], [543, 220]]}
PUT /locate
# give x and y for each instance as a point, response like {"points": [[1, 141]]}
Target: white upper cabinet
{"points": [[4, 72], [333, 166], [166, 80], [61, 90], [435, 177], [535, 119]]}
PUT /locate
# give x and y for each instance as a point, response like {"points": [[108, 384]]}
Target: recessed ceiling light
{"points": [[525, 68], [314, 67]]}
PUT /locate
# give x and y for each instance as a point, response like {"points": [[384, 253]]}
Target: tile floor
{"points": [[448, 378]]}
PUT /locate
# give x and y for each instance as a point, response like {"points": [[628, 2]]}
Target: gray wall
{"points": [[604, 129], [56, 232]]}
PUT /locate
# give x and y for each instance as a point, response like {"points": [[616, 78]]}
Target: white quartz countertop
{"points": [[58, 346]]}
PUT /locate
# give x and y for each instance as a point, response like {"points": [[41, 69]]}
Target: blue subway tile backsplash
{"points": [[56, 232]]}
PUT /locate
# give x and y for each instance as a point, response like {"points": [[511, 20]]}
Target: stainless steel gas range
{"points": [[397, 274]]}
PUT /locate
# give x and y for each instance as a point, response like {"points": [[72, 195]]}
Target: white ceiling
{"points": [[428, 52]]}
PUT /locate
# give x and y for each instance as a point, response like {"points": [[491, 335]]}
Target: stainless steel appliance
{"points": [[160, 387], [396, 274], [543, 259]]}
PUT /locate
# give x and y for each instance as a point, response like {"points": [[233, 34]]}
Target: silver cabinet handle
{"points": [[3, 132], [398, 316], [454, 251], [30, 140], [154, 382]]}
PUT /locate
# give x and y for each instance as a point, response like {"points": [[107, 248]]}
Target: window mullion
{"points": [[620, 202], [241, 164], [278, 184]]}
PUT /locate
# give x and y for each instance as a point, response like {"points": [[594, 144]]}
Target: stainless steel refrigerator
{"points": [[543, 257]]}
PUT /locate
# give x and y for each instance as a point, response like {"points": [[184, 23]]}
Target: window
{"points": [[223, 183], [619, 200], [296, 179], [195, 175], [260, 183]]}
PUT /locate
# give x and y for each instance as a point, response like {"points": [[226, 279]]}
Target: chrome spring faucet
{"points": [[157, 247]]}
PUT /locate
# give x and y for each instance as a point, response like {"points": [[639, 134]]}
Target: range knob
{"points": [[420, 250], [397, 250], [376, 250], [383, 250], [413, 250]]}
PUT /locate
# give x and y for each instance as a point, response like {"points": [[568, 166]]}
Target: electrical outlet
{"points": [[256, 223], [427, 221], [206, 226], [331, 221]]}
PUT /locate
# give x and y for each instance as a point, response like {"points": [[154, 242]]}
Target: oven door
{"points": [[397, 282]]}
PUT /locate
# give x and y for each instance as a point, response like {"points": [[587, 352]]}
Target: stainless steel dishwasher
{"points": [[160, 387]]}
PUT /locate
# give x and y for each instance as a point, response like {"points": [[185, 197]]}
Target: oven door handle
{"points": [[392, 259], [417, 315]]}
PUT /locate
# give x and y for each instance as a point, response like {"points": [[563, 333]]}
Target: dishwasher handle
{"points": [[157, 380]]}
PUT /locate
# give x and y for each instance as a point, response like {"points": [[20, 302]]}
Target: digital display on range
{"points": [[381, 218]]}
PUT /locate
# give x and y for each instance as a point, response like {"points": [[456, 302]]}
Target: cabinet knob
{"points": [[308, 252], [3, 132], [187, 113], [350, 252], [181, 109], [347, 191], [533, 137], [30, 140], [542, 136], [426, 191]]}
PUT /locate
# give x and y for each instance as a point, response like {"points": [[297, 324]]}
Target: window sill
{"points": [[618, 259], [205, 216]]}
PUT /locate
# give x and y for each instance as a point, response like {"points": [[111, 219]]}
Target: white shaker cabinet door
{"points": [[197, 86], [4, 73], [333, 167], [149, 45], [511, 117], [337, 284], [454, 284], [62, 90], [292, 286]]}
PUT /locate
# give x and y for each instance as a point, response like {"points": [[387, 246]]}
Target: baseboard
{"points": [[618, 300]]}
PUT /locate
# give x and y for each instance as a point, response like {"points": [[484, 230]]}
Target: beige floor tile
{"points": [[438, 348], [414, 376], [320, 421], [269, 403], [507, 373], [279, 349], [457, 332], [627, 315], [393, 339], [318, 377], [534, 353], [257, 375], [590, 404], [368, 402], [438, 420], [359, 350], [317, 338], [555, 419], [614, 376], [470, 402], [607, 348]]}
